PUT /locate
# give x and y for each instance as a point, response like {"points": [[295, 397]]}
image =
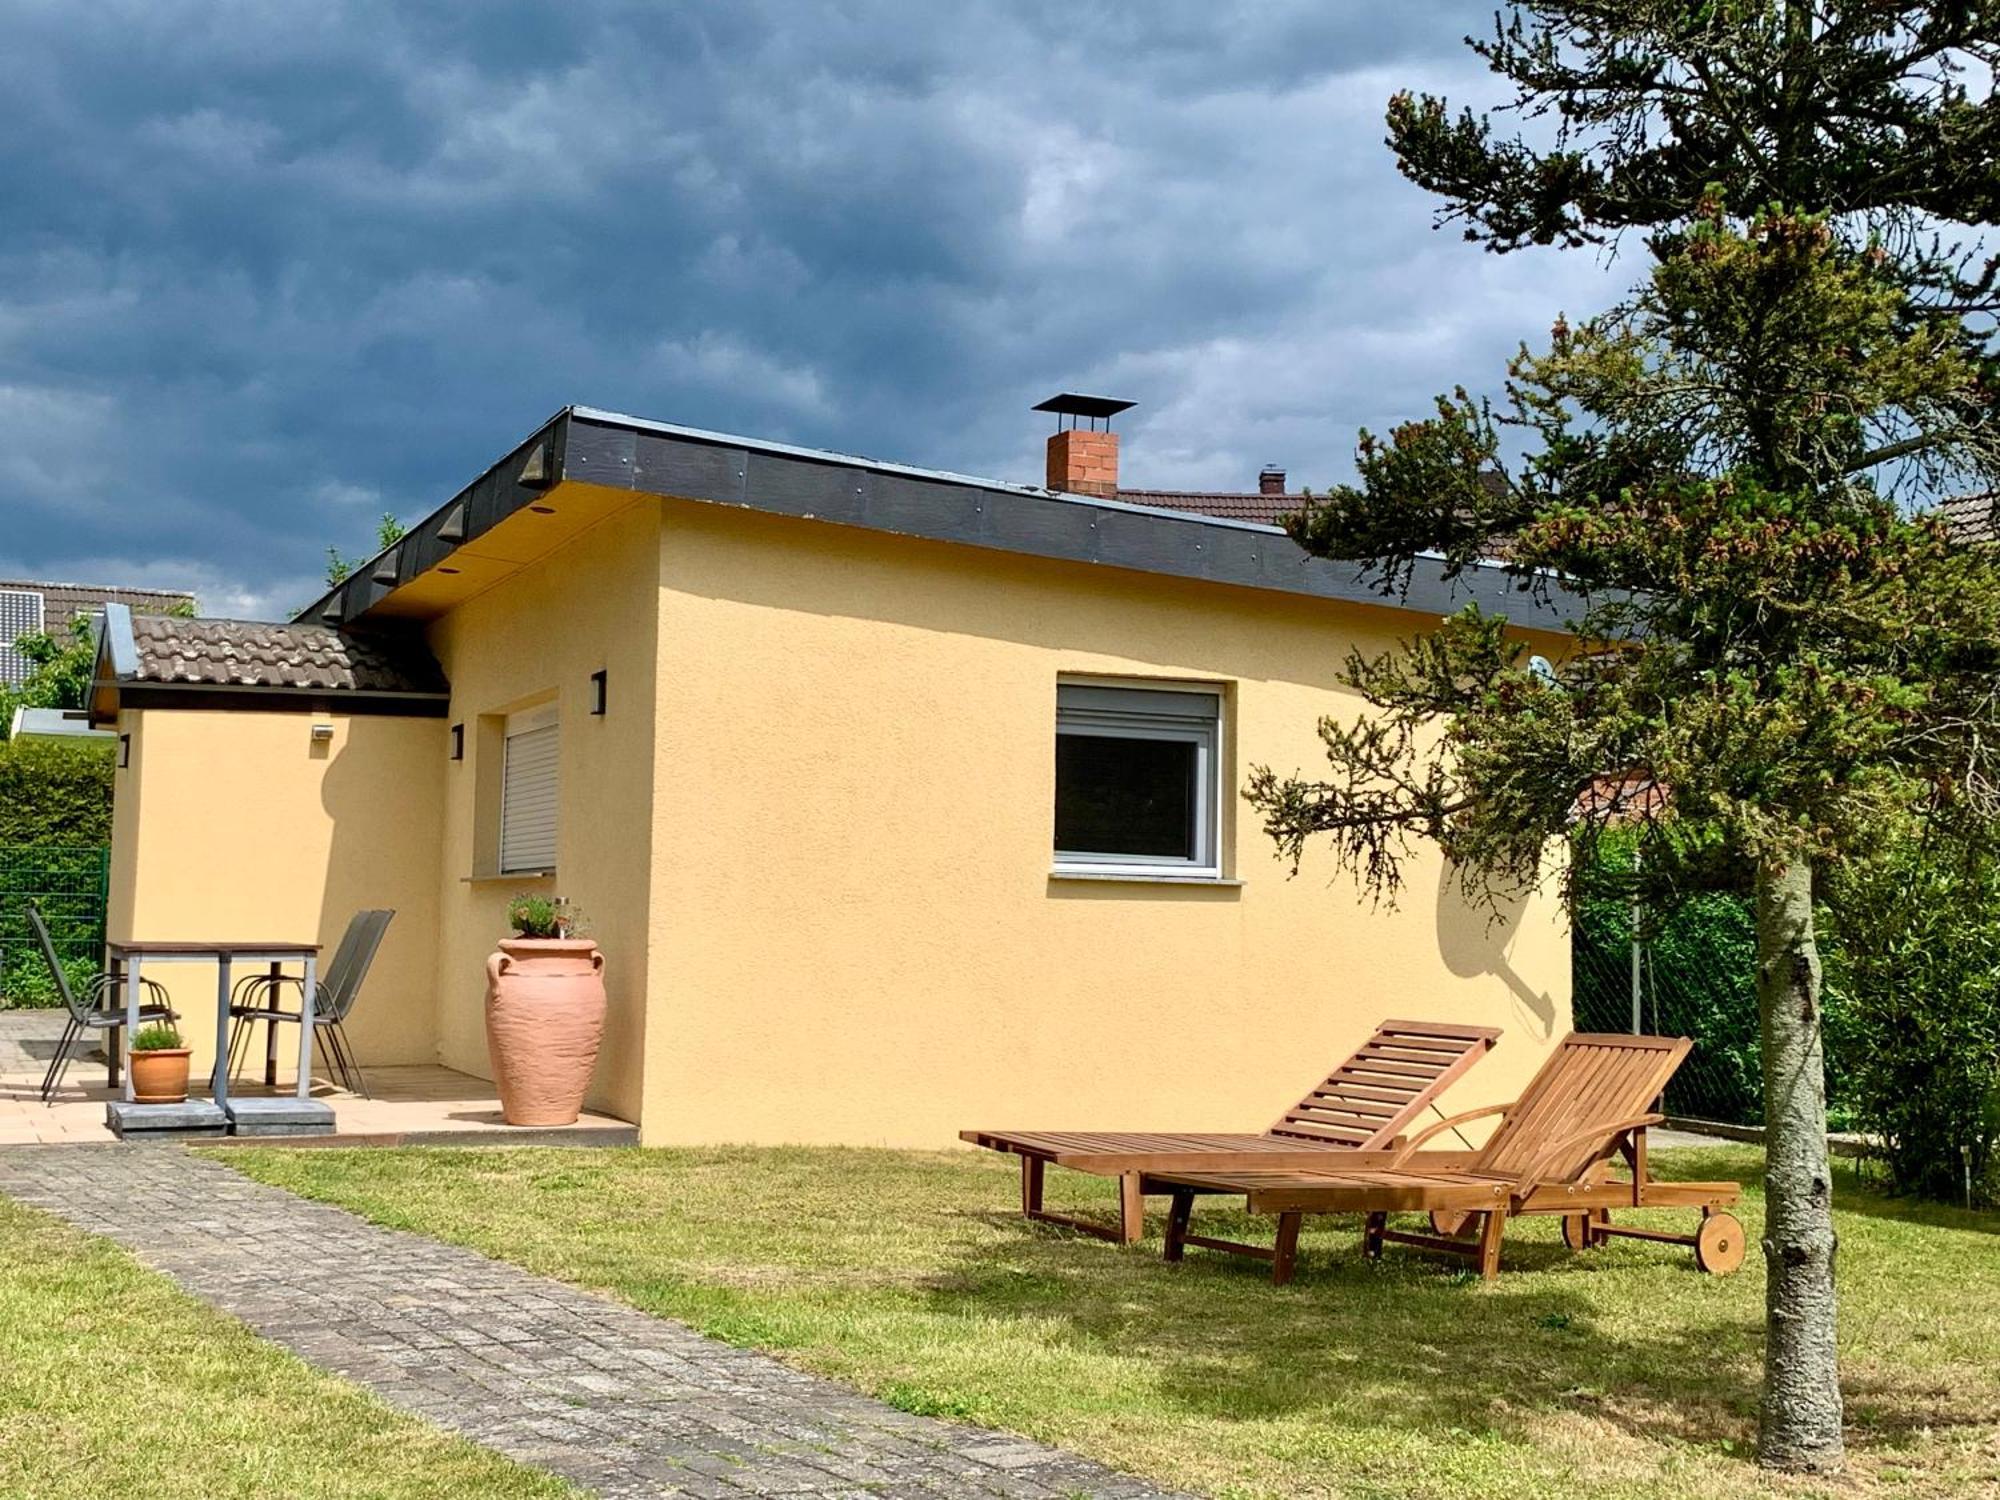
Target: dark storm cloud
{"points": [[269, 270]]}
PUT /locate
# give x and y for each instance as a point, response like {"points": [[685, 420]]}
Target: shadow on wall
{"points": [[1474, 936], [380, 790]]}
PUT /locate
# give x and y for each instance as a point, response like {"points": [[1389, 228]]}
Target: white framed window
{"points": [[528, 791], [1138, 780]]}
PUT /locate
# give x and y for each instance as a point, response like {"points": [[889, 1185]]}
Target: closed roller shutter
{"points": [[528, 794]]}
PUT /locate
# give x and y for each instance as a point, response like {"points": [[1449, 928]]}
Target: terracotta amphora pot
{"points": [[544, 1020], [160, 1076]]}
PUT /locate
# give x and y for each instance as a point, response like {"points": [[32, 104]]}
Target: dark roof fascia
{"points": [[252, 698], [480, 506], [624, 452]]}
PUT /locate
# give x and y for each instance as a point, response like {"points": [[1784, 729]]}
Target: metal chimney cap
{"points": [[1069, 404]]}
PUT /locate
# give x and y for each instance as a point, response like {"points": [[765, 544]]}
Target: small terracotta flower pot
{"points": [[544, 1021], [161, 1076]]}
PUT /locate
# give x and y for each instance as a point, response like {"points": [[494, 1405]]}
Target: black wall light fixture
{"points": [[124, 751], [458, 742], [597, 692]]}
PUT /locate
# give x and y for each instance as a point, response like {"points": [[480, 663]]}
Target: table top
{"points": [[213, 948]]}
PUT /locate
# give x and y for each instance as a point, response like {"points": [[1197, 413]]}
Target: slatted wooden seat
{"points": [[1551, 1154], [1363, 1106]]}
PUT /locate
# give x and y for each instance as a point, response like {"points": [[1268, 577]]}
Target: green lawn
{"points": [[1621, 1372], [114, 1382]]}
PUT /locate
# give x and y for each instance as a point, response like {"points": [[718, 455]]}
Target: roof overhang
{"points": [[116, 683], [507, 517]]}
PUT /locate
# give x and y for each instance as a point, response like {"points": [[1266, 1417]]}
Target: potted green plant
{"points": [[159, 1063], [544, 1012]]}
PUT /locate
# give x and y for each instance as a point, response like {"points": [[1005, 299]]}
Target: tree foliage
{"points": [[59, 668], [340, 567], [1853, 107], [1803, 665]]}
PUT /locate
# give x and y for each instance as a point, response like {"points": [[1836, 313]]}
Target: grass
{"points": [[114, 1382], [1624, 1371]]}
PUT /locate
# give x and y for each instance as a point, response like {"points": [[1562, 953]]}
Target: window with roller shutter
{"points": [[528, 792]]}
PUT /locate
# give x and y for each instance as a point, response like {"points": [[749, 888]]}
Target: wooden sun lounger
{"points": [[1552, 1153], [1357, 1113]]}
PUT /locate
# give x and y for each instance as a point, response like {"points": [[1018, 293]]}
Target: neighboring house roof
{"points": [[610, 451], [1266, 510], [34, 607], [158, 659], [52, 724], [1973, 518], [63, 602]]}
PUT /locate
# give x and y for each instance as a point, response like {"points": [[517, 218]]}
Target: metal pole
{"points": [[1638, 1019], [308, 1011], [218, 1078]]}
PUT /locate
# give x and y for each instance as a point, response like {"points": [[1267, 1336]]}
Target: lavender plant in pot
{"points": [[159, 1063], [544, 1012]]}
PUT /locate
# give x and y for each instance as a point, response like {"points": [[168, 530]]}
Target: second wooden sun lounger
{"points": [[1551, 1154], [1357, 1114]]}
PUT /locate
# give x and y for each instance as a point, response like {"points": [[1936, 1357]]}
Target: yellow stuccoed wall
{"points": [[589, 606], [812, 835], [855, 935], [240, 826]]}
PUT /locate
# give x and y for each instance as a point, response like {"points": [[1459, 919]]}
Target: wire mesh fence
{"points": [[71, 888], [1692, 973]]}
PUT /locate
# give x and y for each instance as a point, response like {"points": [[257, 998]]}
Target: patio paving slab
{"points": [[613, 1399], [412, 1104]]}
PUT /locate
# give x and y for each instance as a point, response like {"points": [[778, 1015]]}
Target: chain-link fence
{"points": [[70, 887], [1692, 974]]}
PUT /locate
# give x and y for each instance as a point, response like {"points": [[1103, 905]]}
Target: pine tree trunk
{"points": [[1800, 1428]]}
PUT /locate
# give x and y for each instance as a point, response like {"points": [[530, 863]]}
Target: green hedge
{"points": [[55, 821], [55, 793]]}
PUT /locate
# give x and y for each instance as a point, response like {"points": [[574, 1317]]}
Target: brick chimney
{"points": [[1271, 480], [1083, 460]]}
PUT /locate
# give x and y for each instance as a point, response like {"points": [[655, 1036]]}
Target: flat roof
{"points": [[620, 451]]}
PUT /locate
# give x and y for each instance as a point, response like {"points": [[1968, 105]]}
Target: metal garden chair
{"points": [[88, 1012], [337, 991]]}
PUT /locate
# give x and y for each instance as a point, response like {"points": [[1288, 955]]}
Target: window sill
{"points": [[493, 876], [1120, 877]]}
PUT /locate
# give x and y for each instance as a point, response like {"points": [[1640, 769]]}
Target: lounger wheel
{"points": [[1578, 1233], [1718, 1244], [1450, 1222]]}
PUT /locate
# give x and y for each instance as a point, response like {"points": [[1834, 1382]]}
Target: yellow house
{"points": [[899, 801]]}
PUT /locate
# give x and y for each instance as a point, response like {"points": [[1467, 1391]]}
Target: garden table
{"points": [[130, 955]]}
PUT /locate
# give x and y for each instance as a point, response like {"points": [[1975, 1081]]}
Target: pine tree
{"points": [[1779, 669]]}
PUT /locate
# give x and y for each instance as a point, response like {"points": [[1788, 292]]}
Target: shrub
{"points": [[25, 983], [68, 886], [1917, 963]]}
